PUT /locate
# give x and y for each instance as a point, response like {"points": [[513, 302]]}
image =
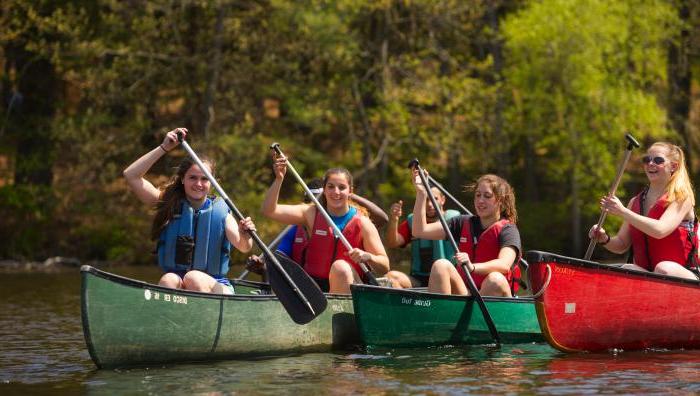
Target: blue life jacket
{"points": [[211, 249], [424, 252]]}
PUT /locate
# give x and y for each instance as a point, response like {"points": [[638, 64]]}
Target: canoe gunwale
{"points": [[123, 280], [536, 256], [436, 296]]}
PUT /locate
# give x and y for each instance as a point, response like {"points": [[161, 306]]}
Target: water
{"points": [[43, 351]]}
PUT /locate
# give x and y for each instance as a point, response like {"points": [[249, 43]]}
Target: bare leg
{"points": [[171, 280], [445, 279], [341, 276], [495, 284], [672, 268], [199, 281]]}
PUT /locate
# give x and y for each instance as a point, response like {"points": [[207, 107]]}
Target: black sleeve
{"points": [[455, 226], [510, 236]]}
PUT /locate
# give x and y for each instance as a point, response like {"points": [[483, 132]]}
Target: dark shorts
{"points": [[422, 280]]}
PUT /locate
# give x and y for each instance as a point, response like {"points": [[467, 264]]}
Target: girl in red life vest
{"points": [[489, 243], [327, 260], [659, 223], [194, 230]]}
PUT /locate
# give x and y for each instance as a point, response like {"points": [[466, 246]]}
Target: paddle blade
{"points": [[291, 300]]}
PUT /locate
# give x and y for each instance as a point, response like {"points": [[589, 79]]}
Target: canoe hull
{"points": [[128, 323], [592, 307], [411, 318]]}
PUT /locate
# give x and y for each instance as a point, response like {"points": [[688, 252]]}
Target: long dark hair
{"points": [[172, 194]]}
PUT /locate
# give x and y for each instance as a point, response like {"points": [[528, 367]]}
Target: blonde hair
{"points": [[505, 196], [679, 187]]}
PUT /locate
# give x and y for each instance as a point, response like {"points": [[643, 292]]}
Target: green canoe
{"points": [[389, 317], [127, 323]]}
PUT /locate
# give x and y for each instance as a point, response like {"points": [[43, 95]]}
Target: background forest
{"points": [[540, 92]]}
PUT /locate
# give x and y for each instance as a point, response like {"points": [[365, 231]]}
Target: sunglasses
{"points": [[657, 160]]}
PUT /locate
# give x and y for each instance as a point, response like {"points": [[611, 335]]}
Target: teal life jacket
{"points": [[211, 247], [424, 252]]}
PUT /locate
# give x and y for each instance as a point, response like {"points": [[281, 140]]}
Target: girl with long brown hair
{"points": [[489, 242], [194, 230]]}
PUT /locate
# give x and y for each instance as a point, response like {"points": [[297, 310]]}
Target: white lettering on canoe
{"points": [[569, 308], [156, 296], [147, 294], [179, 299], [337, 307], [416, 302], [422, 303], [167, 297]]}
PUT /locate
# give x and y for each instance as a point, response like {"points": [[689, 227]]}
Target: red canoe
{"points": [[586, 306]]}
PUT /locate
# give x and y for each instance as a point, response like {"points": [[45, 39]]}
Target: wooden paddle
{"points": [[297, 292], [631, 144], [371, 279], [414, 164]]}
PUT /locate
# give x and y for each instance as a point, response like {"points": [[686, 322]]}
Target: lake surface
{"points": [[42, 350]]}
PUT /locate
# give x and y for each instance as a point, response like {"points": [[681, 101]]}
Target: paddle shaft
{"points": [[470, 281], [271, 246], [368, 273], [239, 216], [632, 143]]}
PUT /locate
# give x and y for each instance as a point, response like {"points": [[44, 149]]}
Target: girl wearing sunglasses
{"points": [[659, 223]]}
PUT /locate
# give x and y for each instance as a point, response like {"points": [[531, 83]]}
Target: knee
{"points": [[341, 268], [667, 267], [496, 283], [194, 280], [171, 280], [441, 266]]}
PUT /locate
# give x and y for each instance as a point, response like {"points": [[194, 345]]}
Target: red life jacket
{"points": [[324, 248], [676, 246], [301, 241], [486, 248]]}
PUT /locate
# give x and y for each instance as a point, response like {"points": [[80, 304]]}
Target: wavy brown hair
{"points": [[505, 196], [172, 194]]}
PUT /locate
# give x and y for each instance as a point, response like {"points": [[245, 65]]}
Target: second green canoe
{"points": [[389, 317]]}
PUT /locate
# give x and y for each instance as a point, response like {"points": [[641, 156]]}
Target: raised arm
{"points": [[134, 173], [287, 214], [420, 227], [393, 238]]}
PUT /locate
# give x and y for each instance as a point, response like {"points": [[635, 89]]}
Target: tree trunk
{"points": [[679, 77]]}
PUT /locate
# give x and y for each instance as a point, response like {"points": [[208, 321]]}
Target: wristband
{"points": [[163, 148], [606, 241]]}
